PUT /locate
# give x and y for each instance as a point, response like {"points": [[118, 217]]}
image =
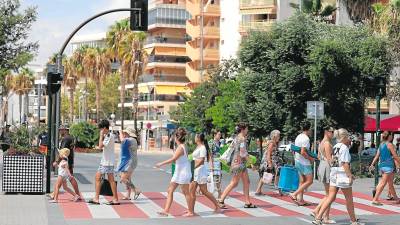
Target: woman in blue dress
{"points": [[128, 161]]}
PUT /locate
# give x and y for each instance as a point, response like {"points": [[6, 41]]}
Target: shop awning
{"points": [[171, 90], [388, 123]]}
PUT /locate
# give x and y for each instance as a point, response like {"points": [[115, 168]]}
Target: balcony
{"points": [[193, 30], [166, 61], [146, 78], [165, 40], [264, 25], [246, 4], [209, 54], [163, 98], [192, 74], [193, 7]]}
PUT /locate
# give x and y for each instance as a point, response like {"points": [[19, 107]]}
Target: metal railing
{"points": [[163, 78], [166, 58], [167, 40]]}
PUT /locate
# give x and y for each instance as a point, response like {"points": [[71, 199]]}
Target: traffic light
{"points": [[138, 20], [375, 85], [54, 79]]}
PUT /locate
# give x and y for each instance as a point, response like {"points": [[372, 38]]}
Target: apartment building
{"points": [[203, 30]]}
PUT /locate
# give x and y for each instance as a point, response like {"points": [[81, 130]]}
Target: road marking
{"points": [[127, 209], [314, 197], [149, 207], [304, 220], [102, 210], [238, 204], [176, 209], [200, 209]]}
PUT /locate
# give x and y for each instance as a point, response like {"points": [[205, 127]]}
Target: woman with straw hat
{"points": [[128, 161]]}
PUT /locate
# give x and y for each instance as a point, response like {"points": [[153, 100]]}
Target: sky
{"points": [[58, 18]]}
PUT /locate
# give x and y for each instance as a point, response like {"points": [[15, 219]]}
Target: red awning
{"points": [[388, 124], [369, 124]]}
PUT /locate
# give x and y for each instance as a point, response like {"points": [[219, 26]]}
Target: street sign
{"points": [[163, 118], [315, 108], [148, 125]]}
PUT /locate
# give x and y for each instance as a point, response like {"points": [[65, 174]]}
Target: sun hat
{"points": [[130, 131]]}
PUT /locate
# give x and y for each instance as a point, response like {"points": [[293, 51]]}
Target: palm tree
{"points": [[103, 68], [70, 81], [114, 39], [134, 60], [358, 10], [78, 68], [316, 9], [89, 65], [22, 85]]}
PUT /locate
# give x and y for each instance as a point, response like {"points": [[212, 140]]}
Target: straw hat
{"points": [[130, 131]]}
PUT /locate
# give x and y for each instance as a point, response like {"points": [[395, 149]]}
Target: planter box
{"points": [[23, 174]]}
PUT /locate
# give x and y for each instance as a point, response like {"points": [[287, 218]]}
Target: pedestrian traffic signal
{"points": [[54, 79], [375, 85], [138, 20]]}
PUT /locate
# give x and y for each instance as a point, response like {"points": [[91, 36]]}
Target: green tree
{"points": [[317, 9], [302, 60], [22, 85], [110, 99], [15, 50], [227, 110]]}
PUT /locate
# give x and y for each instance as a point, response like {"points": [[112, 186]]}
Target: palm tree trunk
{"points": [[136, 98], [98, 86], [20, 109], [71, 108], [85, 97], [122, 96], [26, 105]]}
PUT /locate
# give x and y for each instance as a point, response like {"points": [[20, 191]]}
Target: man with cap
{"points": [[67, 141]]}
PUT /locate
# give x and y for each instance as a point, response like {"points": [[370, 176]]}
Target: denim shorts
{"points": [[386, 170], [105, 169], [303, 169]]}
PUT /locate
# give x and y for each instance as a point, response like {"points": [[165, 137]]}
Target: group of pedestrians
{"points": [[334, 170]]}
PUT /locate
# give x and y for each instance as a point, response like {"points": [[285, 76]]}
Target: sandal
{"points": [[317, 222], [303, 204], [377, 203], [312, 214], [163, 214], [93, 202], [126, 198], [250, 206], [222, 204], [294, 199], [259, 194], [136, 195], [113, 203]]}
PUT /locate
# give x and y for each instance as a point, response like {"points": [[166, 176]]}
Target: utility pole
{"points": [[201, 40]]}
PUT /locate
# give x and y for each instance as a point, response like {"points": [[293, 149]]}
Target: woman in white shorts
{"points": [[182, 174], [201, 156], [340, 177]]}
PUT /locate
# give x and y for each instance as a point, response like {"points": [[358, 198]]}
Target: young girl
{"points": [[182, 174], [63, 175]]}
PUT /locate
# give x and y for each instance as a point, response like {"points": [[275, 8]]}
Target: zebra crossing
{"points": [[270, 205]]}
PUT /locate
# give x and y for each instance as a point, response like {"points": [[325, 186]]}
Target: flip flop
{"points": [[126, 198], [390, 198], [163, 214], [113, 203], [312, 214], [293, 199], [250, 206], [222, 205], [303, 203], [93, 202], [136, 195], [377, 203], [259, 194]]}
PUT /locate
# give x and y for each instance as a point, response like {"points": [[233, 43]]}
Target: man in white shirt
{"points": [[303, 164], [106, 142]]}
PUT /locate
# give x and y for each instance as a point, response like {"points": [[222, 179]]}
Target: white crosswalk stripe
{"points": [[149, 207], [101, 211], [338, 206], [200, 209], [257, 212]]}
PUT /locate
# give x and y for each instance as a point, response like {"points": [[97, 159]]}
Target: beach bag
{"points": [[105, 187], [211, 183], [227, 156], [267, 178]]}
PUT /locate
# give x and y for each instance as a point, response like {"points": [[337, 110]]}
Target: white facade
{"points": [[284, 10], [91, 40], [229, 29]]}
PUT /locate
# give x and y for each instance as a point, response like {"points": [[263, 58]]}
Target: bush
{"points": [[86, 134]]}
